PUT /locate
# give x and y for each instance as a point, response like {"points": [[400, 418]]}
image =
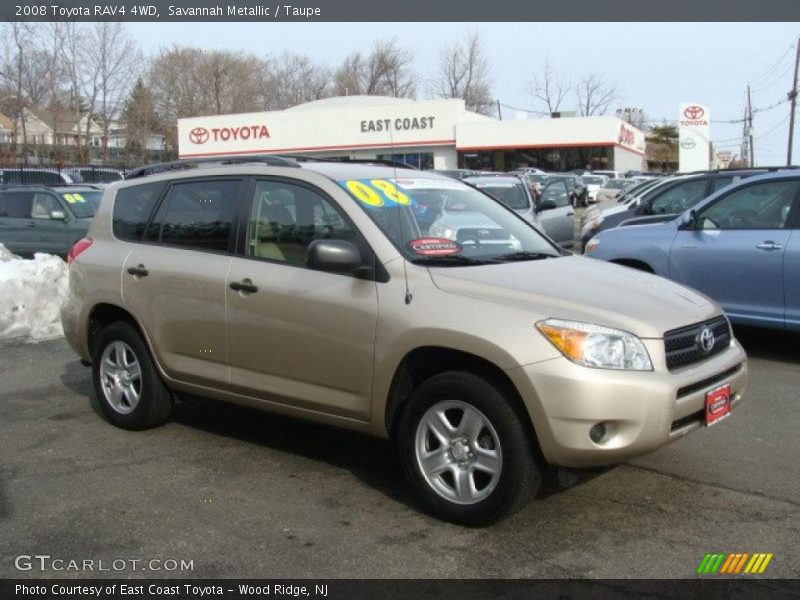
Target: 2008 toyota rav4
{"points": [[314, 289]]}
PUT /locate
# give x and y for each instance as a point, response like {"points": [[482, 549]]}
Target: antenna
{"points": [[409, 296]]}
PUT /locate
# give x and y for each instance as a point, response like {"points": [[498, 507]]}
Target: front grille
{"points": [[683, 346], [482, 234]]}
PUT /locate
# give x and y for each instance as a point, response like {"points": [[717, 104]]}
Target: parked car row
{"points": [[52, 176]]}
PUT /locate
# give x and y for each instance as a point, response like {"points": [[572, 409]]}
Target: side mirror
{"points": [[334, 256], [58, 215], [546, 205], [688, 220]]}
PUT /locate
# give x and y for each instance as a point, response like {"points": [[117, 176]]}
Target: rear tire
{"points": [[465, 450], [129, 389]]}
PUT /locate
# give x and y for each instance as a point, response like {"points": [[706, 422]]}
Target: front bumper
{"points": [[643, 410]]}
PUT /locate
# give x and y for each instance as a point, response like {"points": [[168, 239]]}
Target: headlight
{"points": [[442, 231], [596, 346], [592, 245]]}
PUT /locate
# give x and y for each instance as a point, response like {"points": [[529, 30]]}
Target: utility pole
{"points": [[499, 112], [750, 127], [793, 98]]}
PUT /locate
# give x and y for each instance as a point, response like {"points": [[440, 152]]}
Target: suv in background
{"points": [[34, 176], [310, 289], [741, 247], [37, 218], [665, 202], [576, 188]]}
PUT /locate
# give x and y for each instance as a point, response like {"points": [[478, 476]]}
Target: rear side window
{"points": [[201, 214], [16, 205], [132, 209]]}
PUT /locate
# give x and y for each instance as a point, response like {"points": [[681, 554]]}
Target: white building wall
{"points": [[625, 160]]}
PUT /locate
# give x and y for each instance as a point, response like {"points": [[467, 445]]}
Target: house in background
{"points": [[6, 129], [118, 138]]}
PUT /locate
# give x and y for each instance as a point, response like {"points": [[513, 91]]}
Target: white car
{"points": [[593, 184], [609, 174]]}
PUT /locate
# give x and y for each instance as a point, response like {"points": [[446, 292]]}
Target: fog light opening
{"points": [[598, 432]]}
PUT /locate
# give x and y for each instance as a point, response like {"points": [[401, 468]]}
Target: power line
{"points": [[774, 66]]}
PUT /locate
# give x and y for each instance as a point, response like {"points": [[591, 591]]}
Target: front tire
{"points": [[129, 389], [466, 451]]}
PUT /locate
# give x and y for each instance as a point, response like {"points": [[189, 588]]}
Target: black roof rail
{"points": [[193, 163], [771, 169], [347, 159]]}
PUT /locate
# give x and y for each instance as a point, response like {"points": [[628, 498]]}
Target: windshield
{"points": [[615, 184], [511, 194], [439, 221], [83, 204]]}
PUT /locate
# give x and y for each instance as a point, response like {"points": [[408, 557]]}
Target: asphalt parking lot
{"points": [[248, 494]]}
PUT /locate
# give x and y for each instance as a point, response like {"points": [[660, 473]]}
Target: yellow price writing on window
{"points": [[376, 192]]}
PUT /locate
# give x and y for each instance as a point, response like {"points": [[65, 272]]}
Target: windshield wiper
{"points": [[450, 260], [523, 255]]}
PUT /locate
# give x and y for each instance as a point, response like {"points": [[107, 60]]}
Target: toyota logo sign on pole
{"points": [[694, 141]]}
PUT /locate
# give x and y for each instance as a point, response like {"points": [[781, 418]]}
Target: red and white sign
{"points": [[693, 137]]}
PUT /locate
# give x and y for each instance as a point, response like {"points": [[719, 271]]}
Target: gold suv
{"points": [[321, 290]]}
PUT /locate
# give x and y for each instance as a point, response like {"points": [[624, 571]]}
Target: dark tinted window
{"points": [[201, 214], [132, 209], [16, 205]]}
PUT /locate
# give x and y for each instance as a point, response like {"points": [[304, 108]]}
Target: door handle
{"points": [[569, 214], [245, 286], [31, 224], [769, 245], [138, 271]]}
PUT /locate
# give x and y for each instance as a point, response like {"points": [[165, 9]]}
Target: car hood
{"points": [[582, 289]]}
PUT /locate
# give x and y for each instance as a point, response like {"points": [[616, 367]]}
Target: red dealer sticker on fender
{"points": [[434, 246]]}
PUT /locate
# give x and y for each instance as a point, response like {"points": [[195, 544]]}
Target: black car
{"points": [[665, 202]]}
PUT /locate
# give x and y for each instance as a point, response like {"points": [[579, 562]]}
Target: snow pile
{"points": [[31, 293]]}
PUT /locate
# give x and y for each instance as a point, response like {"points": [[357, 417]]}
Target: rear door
{"points": [[736, 253], [297, 336], [174, 278], [15, 222], [558, 222], [791, 275]]}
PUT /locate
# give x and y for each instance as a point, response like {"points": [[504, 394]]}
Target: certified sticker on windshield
{"points": [[377, 192], [434, 247]]}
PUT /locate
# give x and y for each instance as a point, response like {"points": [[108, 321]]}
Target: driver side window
{"points": [[760, 206], [679, 198], [557, 193], [285, 218]]}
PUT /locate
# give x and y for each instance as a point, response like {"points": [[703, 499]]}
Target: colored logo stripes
{"points": [[734, 564]]}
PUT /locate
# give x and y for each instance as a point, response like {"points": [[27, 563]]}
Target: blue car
{"points": [[740, 246]]}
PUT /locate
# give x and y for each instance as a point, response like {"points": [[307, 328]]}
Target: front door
{"points": [[298, 336], [735, 253], [559, 220]]}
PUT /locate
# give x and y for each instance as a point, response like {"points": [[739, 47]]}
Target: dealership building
{"points": [[435, 134]]}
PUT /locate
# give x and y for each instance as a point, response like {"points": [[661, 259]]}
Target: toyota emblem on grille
{"points": [[706, 339], [483, 233]]}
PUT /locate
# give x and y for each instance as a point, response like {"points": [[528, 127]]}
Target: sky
{"points": [[655, 65]]}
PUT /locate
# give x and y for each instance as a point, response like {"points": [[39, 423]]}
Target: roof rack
{"points": [[737, 169], [193, 163], [347, 159]]}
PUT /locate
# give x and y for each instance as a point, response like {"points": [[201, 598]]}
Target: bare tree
{"points": [[294, 79], [118, 63], [385, 71], [594, 95], [17, 40], [549, 88], [464, 73]]}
